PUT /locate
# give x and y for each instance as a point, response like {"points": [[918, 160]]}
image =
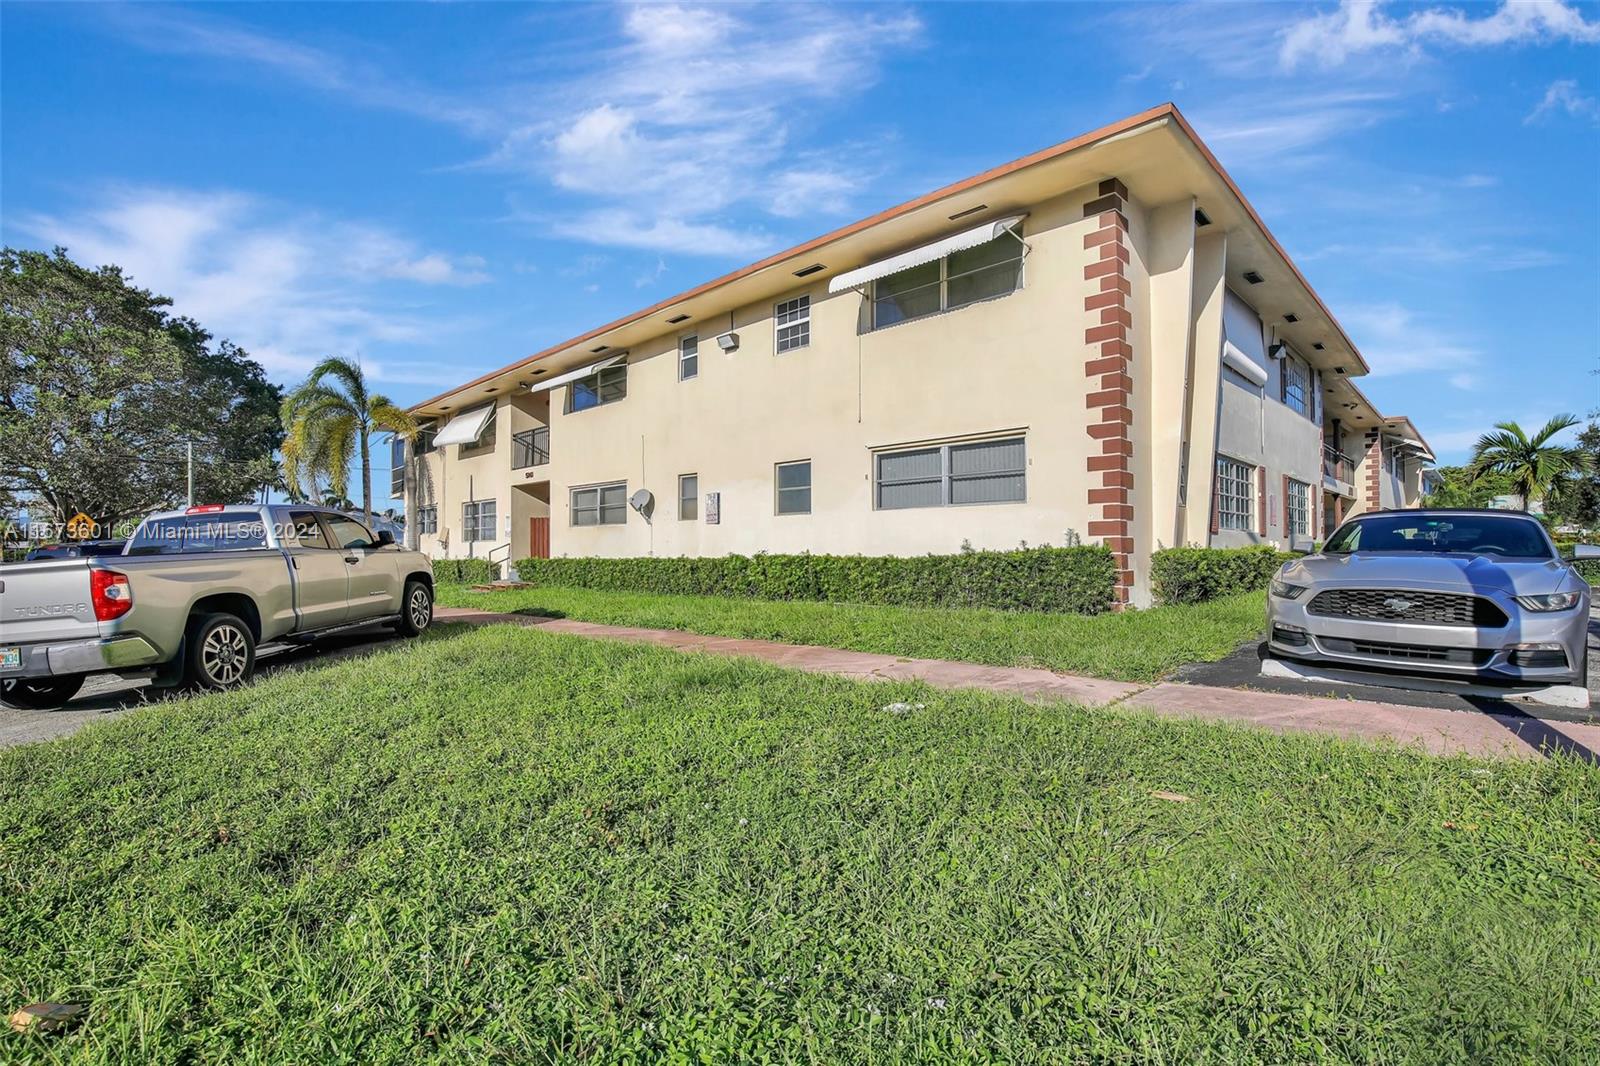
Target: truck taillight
{"points": [[205, 508], [112, 595]]}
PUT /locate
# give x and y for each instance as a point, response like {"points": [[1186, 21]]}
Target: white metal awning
{"points": [[574, 375], [928, 253], [466, 427], [1243, 365]]}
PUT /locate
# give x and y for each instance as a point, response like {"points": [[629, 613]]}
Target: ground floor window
{"points": [[688, 497], [478, 520], [1298, 508], [1235, 494], [794, 487], [600, 505], [950, 475], [427, 519]]}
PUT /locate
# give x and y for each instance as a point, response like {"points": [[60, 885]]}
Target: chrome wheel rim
{"points": [[225, 654], [420, 614]]}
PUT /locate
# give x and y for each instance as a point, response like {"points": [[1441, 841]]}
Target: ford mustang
{"points": [[1482, 594]]}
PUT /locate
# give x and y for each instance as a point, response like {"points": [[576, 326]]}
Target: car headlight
{"points": [[1555, 601], [1285, 591]]}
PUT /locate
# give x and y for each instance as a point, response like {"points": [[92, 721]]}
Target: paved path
{"points": [[1441, 731]]}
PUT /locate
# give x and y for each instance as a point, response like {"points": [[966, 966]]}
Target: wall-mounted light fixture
{"points": [[728, 342]]}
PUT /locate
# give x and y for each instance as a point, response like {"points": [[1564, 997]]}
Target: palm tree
{"points": [[1534, 465], [329, 419]]}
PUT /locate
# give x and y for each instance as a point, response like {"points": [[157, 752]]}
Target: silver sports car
{"points": [[1479, 593]]}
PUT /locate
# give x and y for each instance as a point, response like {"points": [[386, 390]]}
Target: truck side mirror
{"points": [[385, 538]]}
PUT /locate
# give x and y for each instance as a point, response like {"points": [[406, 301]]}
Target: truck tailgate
{"points": [[47, 600]]}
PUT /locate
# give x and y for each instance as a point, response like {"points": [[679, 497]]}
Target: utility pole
{"points": [[188, 447]]}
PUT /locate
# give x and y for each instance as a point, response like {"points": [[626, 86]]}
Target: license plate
{"points": [[10, 658]]}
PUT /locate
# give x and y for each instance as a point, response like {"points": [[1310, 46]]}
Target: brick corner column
{"points": [[1110, 373], [1374, 460]]}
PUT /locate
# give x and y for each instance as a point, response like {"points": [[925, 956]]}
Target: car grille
{"points": [[1417, 653], [1400, 605]]}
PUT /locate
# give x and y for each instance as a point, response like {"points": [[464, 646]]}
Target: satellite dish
{"points": [[643, 502]]}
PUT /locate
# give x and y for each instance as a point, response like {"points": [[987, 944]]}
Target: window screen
{"points": [[987, 471], [600, 505]]}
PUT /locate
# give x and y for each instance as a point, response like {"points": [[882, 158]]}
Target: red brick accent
{"points": [[1111, 362], [1374, 461], [1261, 499]]}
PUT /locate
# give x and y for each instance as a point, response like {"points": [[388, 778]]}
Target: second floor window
{"points": [[688, 358], [1235, 494], [992, 269], [1296, 385], [601, 387], [531, 447], [792, 321], [397, 466]]}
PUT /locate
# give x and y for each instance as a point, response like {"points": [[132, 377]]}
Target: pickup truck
{"points": [[195, 593]]}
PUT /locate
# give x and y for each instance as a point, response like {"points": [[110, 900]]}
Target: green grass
{"points": [[507, 845], [1129, 646]]}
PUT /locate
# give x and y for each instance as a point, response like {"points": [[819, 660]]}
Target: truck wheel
{"points": [[219, 652], [416, 609], [39, 693]]}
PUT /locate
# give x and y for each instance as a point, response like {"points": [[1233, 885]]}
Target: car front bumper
{"points": [[84, 657], [1533, 647]]}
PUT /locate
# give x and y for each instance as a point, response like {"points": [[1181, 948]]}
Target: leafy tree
{"points": [[100, 388], [1575, 499], [1458, 486], [331, 418], [1534, 465]]}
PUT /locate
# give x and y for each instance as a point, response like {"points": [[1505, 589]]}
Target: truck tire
{"points": [[218, 652], [39, 693], [416, 609]]}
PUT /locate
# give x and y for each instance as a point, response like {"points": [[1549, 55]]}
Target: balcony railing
{"points": [[531, 447], [1337, 465]]}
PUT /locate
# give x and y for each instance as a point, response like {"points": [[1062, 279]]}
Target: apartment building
{"points": [[1100, 342]]}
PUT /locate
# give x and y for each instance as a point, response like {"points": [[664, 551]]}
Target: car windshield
{"points": [[1472, 534], [224, 531]]}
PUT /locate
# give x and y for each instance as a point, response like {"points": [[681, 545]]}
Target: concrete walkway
{"points": [[1442, 732]]}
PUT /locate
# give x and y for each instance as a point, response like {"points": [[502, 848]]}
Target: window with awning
{"points": [[976, 264], [466, 428]]}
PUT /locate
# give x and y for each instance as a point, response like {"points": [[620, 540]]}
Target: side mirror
{"points": [[385, 538], [1586, 551]]}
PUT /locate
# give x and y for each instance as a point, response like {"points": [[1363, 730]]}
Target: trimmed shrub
{"points": [[1194, 575], [1064, 580], [464, 571]]}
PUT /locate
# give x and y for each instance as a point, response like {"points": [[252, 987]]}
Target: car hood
{"points": [[1444, 572]]}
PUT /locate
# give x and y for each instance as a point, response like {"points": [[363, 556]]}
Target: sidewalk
{"points": [[1441, 732]]}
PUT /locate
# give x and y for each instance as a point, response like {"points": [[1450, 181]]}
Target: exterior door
{"points": [[321, 578], [539, 537], [374, 584]]}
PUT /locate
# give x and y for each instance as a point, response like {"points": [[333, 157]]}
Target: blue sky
{"points": [[442, 188]]}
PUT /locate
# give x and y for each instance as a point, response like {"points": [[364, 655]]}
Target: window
{"points": [[1235, 494], [688, 358], [531, 447], [427, 519], [397, 466], [601, 387], [348, 533], [308, 531], [1296, 391], [422, 443], [1298, 509], [951, 475], [210, 532], [792, 320], [485, 439], [992, 269], [688, 497], [478, 520], [794, 487], [600, 505]]}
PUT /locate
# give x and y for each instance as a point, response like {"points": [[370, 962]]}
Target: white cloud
{"points": [[637, 228], [1563, 97], [1459, 250], [1360, 26], [289, 287], [1394, 342]]}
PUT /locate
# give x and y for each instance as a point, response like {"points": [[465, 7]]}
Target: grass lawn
{"points": [[1130, 646], [508, 845]]}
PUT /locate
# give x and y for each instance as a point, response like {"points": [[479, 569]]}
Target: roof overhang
{"points": [[1156, 153]]}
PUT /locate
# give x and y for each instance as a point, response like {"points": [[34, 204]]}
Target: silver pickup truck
{"points": [[195, 593]]}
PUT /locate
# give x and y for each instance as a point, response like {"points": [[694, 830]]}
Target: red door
{"points": [[539, 537]]}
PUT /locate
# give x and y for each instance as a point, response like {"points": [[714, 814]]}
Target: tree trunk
{"points": [[366, 480], [409, 489]]}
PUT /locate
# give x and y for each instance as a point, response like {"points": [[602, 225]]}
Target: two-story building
{"points": [[1099, 342]]}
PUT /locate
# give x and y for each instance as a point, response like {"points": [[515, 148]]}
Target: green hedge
{"points": [[464, 571], [1193, 575], [1070, 580]]}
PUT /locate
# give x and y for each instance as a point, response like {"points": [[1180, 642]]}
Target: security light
{"points": [[728, 342]]}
